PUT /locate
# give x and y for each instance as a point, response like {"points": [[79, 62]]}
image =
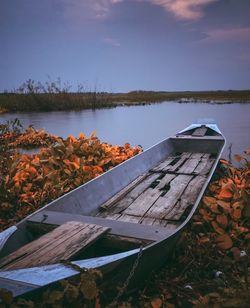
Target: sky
{"points": [[126, 45]]}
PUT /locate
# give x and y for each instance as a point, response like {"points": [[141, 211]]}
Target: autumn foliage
{"points": [[210, 263], [225, 210], [32, 180], [210, 267]]}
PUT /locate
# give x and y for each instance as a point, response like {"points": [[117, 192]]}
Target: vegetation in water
{"points": [[54, 95]]}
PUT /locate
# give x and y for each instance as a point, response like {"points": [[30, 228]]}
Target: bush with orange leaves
{"points": [[32, 137], [34, 180], [225, 209]]}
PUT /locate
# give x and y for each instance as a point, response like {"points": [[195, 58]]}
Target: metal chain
{"points": [[127, 281]]}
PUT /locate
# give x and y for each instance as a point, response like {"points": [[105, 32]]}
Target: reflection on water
{"points": [[144, 125]]}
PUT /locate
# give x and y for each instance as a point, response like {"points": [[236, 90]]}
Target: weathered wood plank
{"points": [[147, 221], [171, 226], [131, 196], [190, 164], [180, 162], [200, 131], [107, 205], [144, 202], [166, 203], [187, 199], [129, 218], [29, 248], [112, 216], [159, 222], [141, 205], [205, 165], [164, 182], [60, 244], [164, 164]]}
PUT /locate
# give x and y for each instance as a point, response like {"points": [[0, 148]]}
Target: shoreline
{"points": [[127, 104], [66, 101]]}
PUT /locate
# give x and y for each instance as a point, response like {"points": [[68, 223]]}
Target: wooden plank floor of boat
{"points": [[164, 195], [161, 199]]}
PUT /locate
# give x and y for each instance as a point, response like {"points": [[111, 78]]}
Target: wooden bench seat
{"points": [[62, 243]]}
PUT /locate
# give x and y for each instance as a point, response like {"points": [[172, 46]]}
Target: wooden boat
{"points": [[124, 221]]}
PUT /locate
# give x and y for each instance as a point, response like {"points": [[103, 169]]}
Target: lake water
{"points": [[144, 125]]}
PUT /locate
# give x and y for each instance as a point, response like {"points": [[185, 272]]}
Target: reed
{"points": [[53, 96]]}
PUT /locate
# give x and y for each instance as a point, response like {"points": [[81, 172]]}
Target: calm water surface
{"points": [[144, 125]]}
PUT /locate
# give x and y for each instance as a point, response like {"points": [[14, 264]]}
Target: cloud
{"points": [[88, 9], [230, 34], [111, 41], [100, 9], [184, 9]]}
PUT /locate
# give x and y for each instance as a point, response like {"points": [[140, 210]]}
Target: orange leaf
{"points": [[237, 181], [217, 228], [98, 169], [81, 136], [32, 170], [67, 162], [92, 135], [236, 214], [222, 220], [223, 161], [75, 165], [214, 209], [156, 303], [224, 205], [224, 242], [72, 139], [207, 201], [238, 205], [240, 229], [207, 218], [24, 158], [86, 168], [35, 161], [225, 194]]}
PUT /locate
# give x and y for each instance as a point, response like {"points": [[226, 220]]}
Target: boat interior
{"points": [[149, 209]]}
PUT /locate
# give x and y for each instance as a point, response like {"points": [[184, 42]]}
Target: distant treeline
{"points": [[52, 96]]}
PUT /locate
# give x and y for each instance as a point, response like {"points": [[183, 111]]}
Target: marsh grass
{"points": [[53, 96]]}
